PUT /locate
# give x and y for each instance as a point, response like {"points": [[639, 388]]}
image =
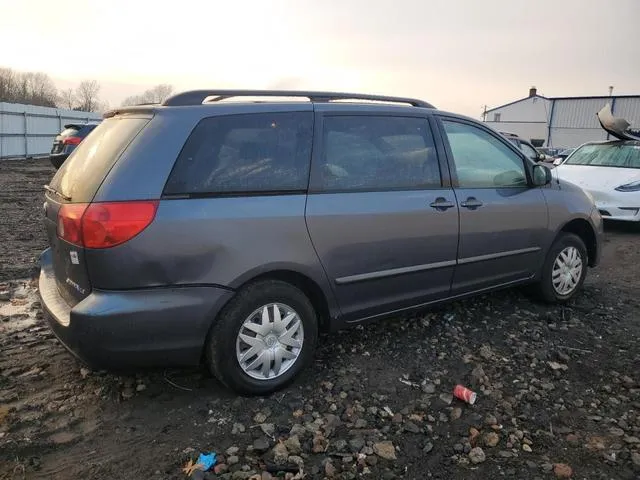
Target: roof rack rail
{"points": [[198, 97]]}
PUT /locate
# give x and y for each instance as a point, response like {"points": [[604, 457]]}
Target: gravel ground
{"points": [[558, 388]]}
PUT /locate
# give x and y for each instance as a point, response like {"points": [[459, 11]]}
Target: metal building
{"points": [[560, 122], [28, 130]]}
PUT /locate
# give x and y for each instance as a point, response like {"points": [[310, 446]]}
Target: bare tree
{"points": [[161, 92], [133, 100], [87, 96], [67, 99], [27, 87], [157, 94], [42, 91], [7, 85]]}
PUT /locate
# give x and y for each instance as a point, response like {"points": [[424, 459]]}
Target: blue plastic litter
{"points": [[207, 460]]}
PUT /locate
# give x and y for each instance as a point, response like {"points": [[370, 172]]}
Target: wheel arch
{"points": [[583, 229], [308, 286], [311, 281]]}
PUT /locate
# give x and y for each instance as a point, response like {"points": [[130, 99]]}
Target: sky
{"points": [[457, 54]]}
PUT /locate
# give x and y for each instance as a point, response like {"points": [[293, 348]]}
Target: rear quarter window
{"points": [[85, 169], [247, 153]]}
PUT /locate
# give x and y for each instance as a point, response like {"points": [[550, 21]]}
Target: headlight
{"points": [[629, 187]]}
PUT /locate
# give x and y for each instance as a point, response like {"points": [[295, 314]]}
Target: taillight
{"points": [[71, 141], [104, 225], [70, 222]]}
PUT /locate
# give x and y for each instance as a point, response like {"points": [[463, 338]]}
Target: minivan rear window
{"points": [[246, 153], [85, 169]]}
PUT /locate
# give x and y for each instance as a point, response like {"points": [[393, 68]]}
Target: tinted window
{"points": [[481, 160], [85, 169], [372, 153], [245, 153], [607, 155]]}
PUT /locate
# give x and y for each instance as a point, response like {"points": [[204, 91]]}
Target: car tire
{"points": [[567, 252], [243, 319]]}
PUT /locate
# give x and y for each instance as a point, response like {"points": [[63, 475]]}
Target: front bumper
{"points": [[623, 206], [598, 226], [132, 328], [625, 214]]}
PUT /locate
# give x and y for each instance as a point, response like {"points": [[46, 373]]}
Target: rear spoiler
{"points": [[618, 127], [149, 109], [78, 126]]}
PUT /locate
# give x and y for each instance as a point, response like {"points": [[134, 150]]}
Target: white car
{"points": [[610, 172]]}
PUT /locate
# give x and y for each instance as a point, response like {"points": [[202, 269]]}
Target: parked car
{"points": [[68, 140], [610, 172], [549, 152], [561, 156], [234, 232], [527, 148]]}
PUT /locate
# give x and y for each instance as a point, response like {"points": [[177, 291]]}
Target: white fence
{"points": [[28, 131]]}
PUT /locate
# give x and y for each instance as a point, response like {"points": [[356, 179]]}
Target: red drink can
{"points": [[464, 394]]}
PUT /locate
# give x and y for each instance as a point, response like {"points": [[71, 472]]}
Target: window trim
{"points": [[527, 144], [526, 163], [240, 193], [318, 150]]}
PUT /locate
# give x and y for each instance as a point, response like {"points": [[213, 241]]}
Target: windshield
{"points": [[622, 154]]}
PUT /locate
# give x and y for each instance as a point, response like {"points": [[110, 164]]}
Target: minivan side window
{"points": [[364, 153], [248, 153], [481, 160]]}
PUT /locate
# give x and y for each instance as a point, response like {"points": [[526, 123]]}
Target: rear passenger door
{"points": [[381, 217], [503, 219]]}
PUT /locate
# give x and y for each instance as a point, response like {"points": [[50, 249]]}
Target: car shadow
{"points": [[621, 227]]}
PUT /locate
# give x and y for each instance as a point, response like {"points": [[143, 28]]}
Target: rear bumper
{"points": [[134, 328]]}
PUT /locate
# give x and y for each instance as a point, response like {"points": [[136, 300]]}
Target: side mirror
{"points": [[541, 175]]}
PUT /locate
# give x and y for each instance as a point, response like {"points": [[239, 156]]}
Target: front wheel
{"points": [[564, 270], [263, 338]]}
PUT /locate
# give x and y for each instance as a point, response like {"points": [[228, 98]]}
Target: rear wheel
{"points": [[564, 270], [263, 338]]}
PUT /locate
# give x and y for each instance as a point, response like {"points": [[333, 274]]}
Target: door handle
{"points": [[471, 203], [442, 204]]}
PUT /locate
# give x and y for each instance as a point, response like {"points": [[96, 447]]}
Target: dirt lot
{"points": [[558, 388]]}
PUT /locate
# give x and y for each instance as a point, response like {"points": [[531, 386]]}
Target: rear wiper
{"points": [[55, 192]]}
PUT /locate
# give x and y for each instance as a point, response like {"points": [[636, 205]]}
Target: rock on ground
{"points": [[385, 450]]}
